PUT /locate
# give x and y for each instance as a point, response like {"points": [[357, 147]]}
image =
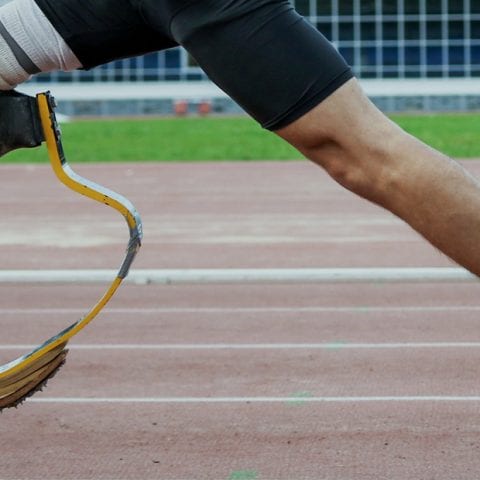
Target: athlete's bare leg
{"points": [[371, 156]]}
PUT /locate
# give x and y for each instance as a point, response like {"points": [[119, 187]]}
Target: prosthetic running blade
{"points": [[26, 375]]}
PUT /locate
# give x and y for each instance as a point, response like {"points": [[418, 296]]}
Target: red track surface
{"points": [[327, 342]]}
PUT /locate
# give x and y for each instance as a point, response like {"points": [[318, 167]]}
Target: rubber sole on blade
{"points": [[20, 389]]}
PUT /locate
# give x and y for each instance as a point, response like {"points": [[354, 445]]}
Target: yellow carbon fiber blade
{"points": [[20, 370]]}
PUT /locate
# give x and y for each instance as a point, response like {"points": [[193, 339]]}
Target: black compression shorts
{"points": [[268, 58]]}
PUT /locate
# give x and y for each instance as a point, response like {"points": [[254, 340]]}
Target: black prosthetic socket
{"points": [[20, 125]]}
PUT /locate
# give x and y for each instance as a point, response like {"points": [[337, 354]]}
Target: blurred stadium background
{"points": [[411, 55]]}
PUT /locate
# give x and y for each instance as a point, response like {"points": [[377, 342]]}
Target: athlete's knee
{"points": [[365, 170], [357, 146], [368, 166], [29, 44]]}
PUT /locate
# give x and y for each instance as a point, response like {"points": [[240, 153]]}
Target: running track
{"points": [[236, 382]]}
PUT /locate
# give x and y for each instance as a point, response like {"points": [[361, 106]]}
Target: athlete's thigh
{"points": [[99, 31], [261, 52]]}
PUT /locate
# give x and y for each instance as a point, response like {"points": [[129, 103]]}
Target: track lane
{"points": [[210, 442], [332, 372], [359, 325]]}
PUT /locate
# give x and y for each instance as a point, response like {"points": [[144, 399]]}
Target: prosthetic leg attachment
{"points": [[27, 374], [20, 125]]}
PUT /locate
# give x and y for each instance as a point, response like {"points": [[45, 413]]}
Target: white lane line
{"points": [[245, 276], [204, 400], [261, 346], [239, 310]]}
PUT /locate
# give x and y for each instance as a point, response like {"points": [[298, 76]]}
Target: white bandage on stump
{"points": [[29, 44]]}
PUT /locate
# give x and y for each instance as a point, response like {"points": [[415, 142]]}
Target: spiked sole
{"points": [[13, 394]]}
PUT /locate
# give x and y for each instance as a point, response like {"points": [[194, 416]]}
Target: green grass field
{"points": [[201, 139]]}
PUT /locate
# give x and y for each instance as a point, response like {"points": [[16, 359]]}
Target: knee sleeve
{"points": [[29, 44]]}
